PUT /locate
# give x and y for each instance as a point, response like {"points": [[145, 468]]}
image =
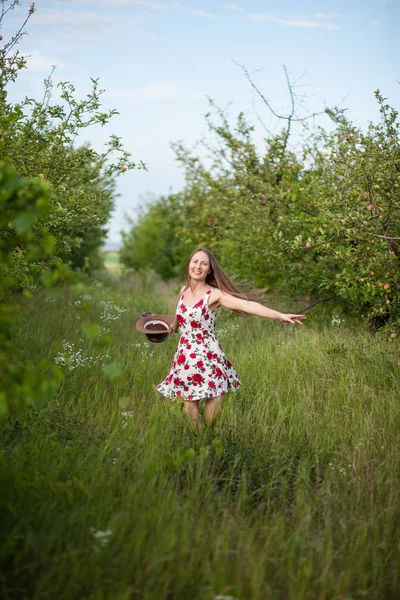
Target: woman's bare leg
{"points": [[191, 410], [213, 408]]}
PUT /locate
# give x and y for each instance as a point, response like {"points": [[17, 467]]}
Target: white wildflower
{"points": [[228, 332], [127, 414], [336, 320], [101, 537], [72, 358], [111, 311]]}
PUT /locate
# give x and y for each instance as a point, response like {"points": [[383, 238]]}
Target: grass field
{"points": [[111, 261], [292, 494]]}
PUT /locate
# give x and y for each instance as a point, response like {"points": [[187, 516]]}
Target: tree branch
{"points": [[319, 302]]}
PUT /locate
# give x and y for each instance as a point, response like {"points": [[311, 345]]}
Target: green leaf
{"points": [[113, 370], [48, 244], [58, 372], [124, 401], [23, 222], [104, 340], [90, 329], [47, 278], [3, 405], [79, 288]]}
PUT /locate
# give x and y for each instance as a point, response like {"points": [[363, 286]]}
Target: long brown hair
{"points": [[219, 279]]}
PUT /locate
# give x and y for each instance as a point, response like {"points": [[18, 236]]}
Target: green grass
{"points": [[112, 264], [292, 494]]}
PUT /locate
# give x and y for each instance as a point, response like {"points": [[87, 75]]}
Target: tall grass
{"points": [[293, 493]]}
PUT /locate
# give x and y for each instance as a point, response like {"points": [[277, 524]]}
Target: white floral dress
{"points": [[200, 369]]}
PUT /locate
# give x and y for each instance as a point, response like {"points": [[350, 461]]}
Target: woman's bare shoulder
{"points": [[214, 296]]}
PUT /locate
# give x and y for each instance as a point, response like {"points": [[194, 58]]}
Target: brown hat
{"points": [[155, 327]]}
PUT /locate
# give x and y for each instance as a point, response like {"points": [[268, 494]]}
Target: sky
{"points": [[160, 61]]}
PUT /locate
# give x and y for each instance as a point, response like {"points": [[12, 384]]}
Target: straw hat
{"points": [[155, 327]]}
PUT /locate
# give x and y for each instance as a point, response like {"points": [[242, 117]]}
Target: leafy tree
{"points": [[38, 139], [322, 223], [55, 200], [23, 202], [153, 241], [356, 187]]}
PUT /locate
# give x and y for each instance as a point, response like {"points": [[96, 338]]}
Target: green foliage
{"points": [[355, 242], [38, 138], [55, 200], [23, 203], [236, 204], [322, 223], [292, 493], [154, 240]]}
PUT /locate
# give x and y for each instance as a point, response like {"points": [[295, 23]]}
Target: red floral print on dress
{"points": [[204, 372]]}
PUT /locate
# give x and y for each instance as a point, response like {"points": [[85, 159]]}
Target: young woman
{"points": [[200, 369]]}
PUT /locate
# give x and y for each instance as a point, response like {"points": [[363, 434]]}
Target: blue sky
{"points": [[159, 60]]}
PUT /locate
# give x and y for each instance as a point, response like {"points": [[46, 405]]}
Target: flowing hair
{"points": [[219, 279]]}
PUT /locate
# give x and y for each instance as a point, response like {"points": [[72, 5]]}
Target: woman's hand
{"points": [[293, 319], [174, 327]]}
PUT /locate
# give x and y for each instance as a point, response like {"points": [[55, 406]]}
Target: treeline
{"points": [[37, 137], [56, 198], [322, 222]]}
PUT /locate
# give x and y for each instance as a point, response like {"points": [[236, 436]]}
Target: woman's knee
{"points": [[191, 408], [213, 407], [214, 403]]}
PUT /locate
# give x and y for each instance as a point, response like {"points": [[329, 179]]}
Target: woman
{"points": [[200, 369]]}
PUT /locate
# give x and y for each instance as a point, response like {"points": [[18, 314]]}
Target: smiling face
{"points": [[199, 266]]}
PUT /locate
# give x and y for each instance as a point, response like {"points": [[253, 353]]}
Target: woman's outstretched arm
{"points": [[253, 308]]}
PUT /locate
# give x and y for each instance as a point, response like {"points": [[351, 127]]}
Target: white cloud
{"points": [[80, 36], [36, 62], [85, 26], [329, 16], [146, 4], [233, 7], [376, 23], [200, 13], [165, 91], [70, 18], [302, 22], [150, 5]]}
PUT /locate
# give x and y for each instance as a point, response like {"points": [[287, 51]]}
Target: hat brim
{"points": [[155, 324]]}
